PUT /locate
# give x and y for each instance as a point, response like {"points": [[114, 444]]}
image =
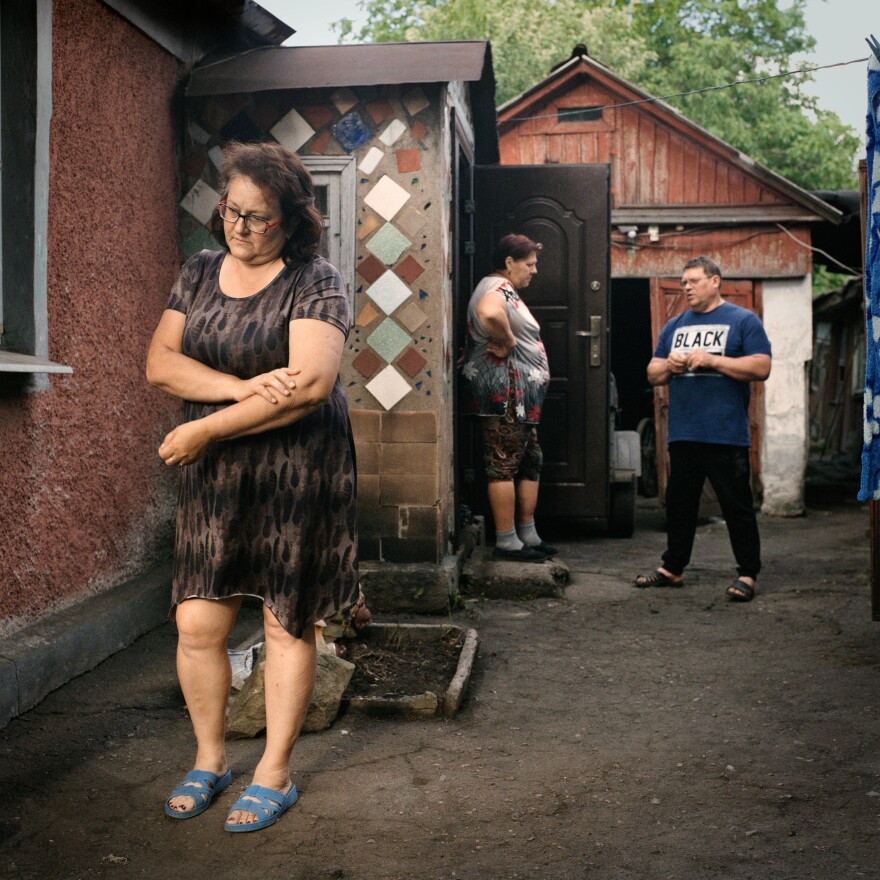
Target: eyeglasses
{"points": [[692, 282], [255, 224]]}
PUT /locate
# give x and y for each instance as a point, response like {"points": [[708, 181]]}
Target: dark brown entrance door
{"points": [[566, 209]]}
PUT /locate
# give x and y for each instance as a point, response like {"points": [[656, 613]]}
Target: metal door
{"points": [[566, 209]]}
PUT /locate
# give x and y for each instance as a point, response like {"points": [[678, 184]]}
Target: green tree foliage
{"points": [[665, 47]]}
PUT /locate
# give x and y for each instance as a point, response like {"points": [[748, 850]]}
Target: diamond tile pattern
{"points": [[392, 133], [371, 160], [388, 292], [389, 387], [367, 363], [412, 317], [411, 363], [388, 339], [351, 131], [386, 198], [409, 269], [368, 314], [388, 244], [370, 269], [415, 101], [344, 99], [200, 201], [292, 131], [408, 160]]}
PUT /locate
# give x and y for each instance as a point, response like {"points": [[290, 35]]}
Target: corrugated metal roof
{"points": [[314, 67]]}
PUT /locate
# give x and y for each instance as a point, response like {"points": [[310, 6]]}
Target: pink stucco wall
{"points": [[85, 502]]}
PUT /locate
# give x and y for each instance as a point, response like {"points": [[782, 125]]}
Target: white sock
{"points": [[528, 534], [508, 540]]}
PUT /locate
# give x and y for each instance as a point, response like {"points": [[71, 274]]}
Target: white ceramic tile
{"points": [[200, 201], [414, 101], [344, 99], [395, 129], [388, 387], [198, 134], [387, 197], [371, 160], [292, 131], [388, 292], [215, 154]]}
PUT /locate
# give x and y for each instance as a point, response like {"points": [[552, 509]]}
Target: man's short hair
{"points": [[707, 264]]}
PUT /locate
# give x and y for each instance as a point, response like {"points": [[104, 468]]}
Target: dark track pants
{"points": [[727, 469]]}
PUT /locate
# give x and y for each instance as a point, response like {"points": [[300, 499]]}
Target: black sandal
{"points": [[658, 579], [740, 591]]}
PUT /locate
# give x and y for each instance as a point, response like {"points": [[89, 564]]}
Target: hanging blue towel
{"points": [[870, 488]]}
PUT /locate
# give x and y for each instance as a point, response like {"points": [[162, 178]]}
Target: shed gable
{"points": [[659, 160]]}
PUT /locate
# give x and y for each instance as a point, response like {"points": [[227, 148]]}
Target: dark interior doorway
{"points": [[631, 350]]}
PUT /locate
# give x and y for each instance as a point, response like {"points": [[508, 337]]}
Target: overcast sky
{"points": [[839, 27]]}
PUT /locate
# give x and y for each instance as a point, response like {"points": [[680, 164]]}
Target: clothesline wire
{"points": [[730, 85]]}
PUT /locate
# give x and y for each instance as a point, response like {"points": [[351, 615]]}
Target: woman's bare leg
{"points": [[205, 675], [290, 678]]}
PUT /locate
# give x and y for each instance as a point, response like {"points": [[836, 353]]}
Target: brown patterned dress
{"points": [[272, 514]]}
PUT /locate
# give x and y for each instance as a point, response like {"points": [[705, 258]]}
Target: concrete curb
{"points": [[49, 653]]}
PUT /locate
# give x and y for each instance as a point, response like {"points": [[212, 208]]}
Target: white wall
{"points": [[788, 320]]}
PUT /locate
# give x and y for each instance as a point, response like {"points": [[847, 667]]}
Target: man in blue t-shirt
{"points": [[708, 355]]}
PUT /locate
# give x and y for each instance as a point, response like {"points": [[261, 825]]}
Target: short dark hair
{"points": [[279, 173], [515, 246], [707, 264]]}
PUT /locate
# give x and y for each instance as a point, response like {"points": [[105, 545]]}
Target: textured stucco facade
{"points": [[85, 501], [788, 320]]}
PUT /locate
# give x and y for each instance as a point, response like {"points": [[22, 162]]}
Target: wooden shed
{"points": [[678, 191]]}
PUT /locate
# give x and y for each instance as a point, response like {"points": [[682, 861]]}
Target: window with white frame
{"points": [[334, 178], [25, 110]]}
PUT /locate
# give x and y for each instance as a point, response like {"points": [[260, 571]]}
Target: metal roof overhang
{"points": [[277, 68], [317, 67]]}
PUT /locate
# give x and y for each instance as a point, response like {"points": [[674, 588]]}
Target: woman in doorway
{"points": [[251, 341], [507, 374]]}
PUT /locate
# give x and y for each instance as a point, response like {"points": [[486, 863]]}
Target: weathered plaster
{"points": [[788, 320], [86, 502]]}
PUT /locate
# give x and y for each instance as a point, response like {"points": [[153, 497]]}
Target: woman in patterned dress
{"points": [[507, 375], [251, 342]]}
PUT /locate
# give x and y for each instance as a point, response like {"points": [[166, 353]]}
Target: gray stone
{"points": [[247, 714], [334, 674], [417, 587], [483, 575]]}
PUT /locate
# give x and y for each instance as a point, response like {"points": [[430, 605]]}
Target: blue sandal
{"points": [[211, 785], [267, 806]]}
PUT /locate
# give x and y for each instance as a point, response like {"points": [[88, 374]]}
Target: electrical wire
{"points": [[816, 250], [730, 85]]}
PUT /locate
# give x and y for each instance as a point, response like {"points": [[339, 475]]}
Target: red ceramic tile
{"points": [[319, 144], [193, 164], [409, 160], [380, 110], [408, 269], [370, 269], [411, 363], [367, 362], [265, 113], [418, 130], [317, 115]]}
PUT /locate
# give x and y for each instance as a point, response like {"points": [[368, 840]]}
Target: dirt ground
{"points": [[610, 733]]}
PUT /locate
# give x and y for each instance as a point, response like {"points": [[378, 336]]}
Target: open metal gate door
{"points": [[566, 209]]}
